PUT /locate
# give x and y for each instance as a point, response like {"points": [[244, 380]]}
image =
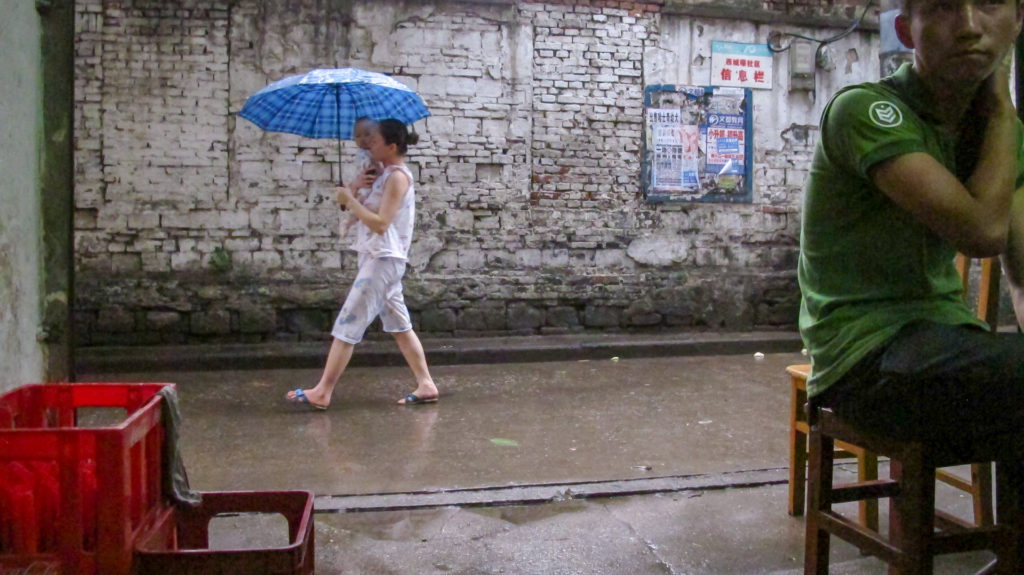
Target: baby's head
{"points": [[364, 131]]}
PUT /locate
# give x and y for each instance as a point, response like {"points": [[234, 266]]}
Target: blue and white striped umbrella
{"points": [[326, 103]]}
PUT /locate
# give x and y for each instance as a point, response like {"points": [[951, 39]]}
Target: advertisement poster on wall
{"points": [[697, 142], [675, 150], [726, 144]]}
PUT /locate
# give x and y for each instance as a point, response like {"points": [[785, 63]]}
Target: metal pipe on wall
{"points": [[56, 186]]}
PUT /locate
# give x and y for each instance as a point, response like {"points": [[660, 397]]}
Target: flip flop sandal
{"points": [[413, 399], [301, 399]]}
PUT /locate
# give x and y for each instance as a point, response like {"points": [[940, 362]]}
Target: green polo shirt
{"points": [[867, 267]]}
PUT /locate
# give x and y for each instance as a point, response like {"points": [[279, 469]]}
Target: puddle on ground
{"points": [[427, 524], [406, 525], [523, 514]]}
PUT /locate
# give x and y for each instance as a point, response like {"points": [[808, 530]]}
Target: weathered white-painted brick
{"points": [[557, 257], [316, 172], [471, 259], [293, 221], [185, 260], [459, 219], [297, 260], [266, 260], [795, 178], [207, 246], [144, 220], [235, 245], [489, 88], [327, 260], [528, 258], [433, 85], [287, 169], [461, 86], [466, 126], [153, 134], [155, 262], [303, 243], [461, 173]]}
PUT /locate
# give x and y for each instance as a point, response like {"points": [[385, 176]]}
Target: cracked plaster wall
{"points": [[21, 355]]}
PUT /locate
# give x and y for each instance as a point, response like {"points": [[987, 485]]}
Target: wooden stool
{"points": [[913, 541]]}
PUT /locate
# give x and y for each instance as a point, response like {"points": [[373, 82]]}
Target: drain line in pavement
{"points": [[535, 494]]}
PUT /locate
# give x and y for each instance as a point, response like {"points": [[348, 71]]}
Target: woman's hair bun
{"points": [[396, 132]]}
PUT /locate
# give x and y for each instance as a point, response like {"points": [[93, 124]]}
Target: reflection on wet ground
{"points": [[506, 429], [496, 424]]}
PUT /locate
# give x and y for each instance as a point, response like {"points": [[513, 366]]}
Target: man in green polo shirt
{"points": [[908, 172]]}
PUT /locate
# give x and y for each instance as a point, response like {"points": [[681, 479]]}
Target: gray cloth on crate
{"points": [[175, 479]]}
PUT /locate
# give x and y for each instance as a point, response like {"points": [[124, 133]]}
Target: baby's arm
{"points": [[394, 190]]}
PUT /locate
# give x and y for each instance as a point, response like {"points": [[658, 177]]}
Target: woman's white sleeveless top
{"points": [[396, 240]]}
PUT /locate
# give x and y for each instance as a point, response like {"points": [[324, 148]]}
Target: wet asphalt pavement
{"points": [[606, 465]]}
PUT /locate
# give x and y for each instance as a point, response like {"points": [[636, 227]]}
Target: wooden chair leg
{"points": [[867, 470], [912, 516], [1010, 512], [816, 543], [797, 471], [981, 492], [895, 473], [797, 452]]}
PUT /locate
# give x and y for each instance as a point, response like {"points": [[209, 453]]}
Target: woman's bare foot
{"points": [[312, 397], [425, 393]]}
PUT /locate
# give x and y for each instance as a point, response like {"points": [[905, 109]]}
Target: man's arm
{"points": [[1013, 258], [974, 216]]}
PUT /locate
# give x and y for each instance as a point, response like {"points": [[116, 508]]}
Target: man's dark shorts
{"points": [[953, 383]]}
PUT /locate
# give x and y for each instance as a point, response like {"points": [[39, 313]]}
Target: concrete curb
{"points": [[448, 351]]}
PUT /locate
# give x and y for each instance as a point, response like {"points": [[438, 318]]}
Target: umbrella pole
{"points": [[337, 103]]}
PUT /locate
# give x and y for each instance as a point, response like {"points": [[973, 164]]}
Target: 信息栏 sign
{"points": [[741, 65]]}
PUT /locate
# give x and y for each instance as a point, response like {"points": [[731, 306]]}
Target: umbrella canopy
{"points": [[326, 103]]}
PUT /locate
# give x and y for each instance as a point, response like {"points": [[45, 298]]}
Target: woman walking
{"points": [[383, 236]]}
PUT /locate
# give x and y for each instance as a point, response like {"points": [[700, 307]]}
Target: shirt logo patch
{"points": [[885, 114]]}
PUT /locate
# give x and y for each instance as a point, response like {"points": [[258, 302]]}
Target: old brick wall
{"points": [[193, 225]]}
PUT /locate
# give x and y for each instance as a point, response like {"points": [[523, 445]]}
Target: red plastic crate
{"points": [[73, 500], [178, 545]]}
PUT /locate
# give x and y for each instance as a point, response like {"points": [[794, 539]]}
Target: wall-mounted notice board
{"points": [[698, 144]]}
